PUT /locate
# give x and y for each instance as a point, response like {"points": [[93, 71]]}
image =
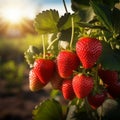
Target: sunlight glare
{"points": [[13, 15]]}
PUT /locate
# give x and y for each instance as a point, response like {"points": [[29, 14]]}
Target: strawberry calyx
{"points": [[48, 56]]}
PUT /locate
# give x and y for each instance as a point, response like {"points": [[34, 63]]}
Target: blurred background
{"points": [[16, 34]]}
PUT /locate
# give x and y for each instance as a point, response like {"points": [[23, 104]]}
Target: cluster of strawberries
{"points": [[64, 73]]}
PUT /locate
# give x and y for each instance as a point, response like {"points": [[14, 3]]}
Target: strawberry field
{"points": [[14, 92]]}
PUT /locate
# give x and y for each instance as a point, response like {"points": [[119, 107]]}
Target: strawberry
{"points": [[34, 82], [108, 76], [67, 89], [96, 100], [82, 85], [56, 80], [44, 69], [88, 50], [67, 62], [114, 90]]}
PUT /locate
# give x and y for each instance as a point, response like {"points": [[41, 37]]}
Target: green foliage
{"points": [[103, 13], [53, 42], [116, 20], [77, 4], [8, 45], [55, 93], [12, 73], [49, 109], [108, 59], [46, 22], [110, 3], [64, 22], [84, 10], [12, 63], [109, 18], [99, 19], [30, 55]]}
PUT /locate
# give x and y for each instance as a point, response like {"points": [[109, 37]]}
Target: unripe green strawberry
{"points": [[34, 82], [67, 62], [82, 85], [44, 69], [88, 50], [67, 89], [108, 76], [96, 100]]}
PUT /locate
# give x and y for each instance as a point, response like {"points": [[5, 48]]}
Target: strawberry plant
{"points": [[81, 60]]}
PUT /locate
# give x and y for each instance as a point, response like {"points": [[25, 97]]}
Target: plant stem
{"points": [[104, 37], [56, 39], [101, 112], [88, 109], [72, 35], [65, 6], [96, 80], [43, 42]]}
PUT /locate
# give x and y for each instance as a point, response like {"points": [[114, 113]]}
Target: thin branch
{"points": [[72, 36], [65, 6], [43, 42]]}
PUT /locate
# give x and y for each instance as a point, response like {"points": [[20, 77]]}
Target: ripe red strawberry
{"points": [[56, 80], [114, 90], [96, 100], [67, 62], [108, 76], [67, 89], [88, 50], [34, 82], [44, 69], [82, 85]]}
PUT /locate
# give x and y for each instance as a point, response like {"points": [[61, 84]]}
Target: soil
{"points": [[17, 104]]}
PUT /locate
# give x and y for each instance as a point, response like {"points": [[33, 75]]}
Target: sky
{"points": [[29, 8]]}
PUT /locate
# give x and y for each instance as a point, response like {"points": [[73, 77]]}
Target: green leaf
{"points": [[84, 9], [65, 35], [86, 14], [30, 55], [110, 3], [109, 59], [77, 3], [46, 22], [103, 14], [88, 25], [65, 21], [55, 93], [116, 20], [49, 109]]}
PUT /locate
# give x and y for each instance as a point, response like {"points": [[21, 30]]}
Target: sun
{"points": [[16, 11], [12, 15]]}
